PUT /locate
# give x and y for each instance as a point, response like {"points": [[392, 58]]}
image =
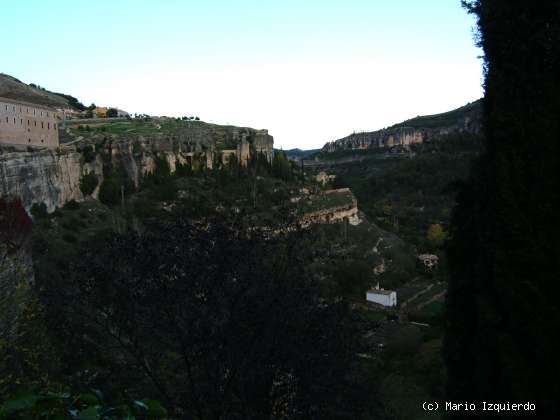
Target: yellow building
{"points": [[100, 112]]}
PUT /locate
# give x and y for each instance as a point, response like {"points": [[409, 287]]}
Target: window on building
{"points": [[35, 123], [48, 126], [42, 125], [28, 140]]}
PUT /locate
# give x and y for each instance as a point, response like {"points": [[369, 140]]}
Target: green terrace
{"points": [[326, 200], [134, 127]]}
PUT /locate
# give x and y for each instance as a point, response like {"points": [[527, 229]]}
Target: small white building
{"points": [[382, 297], [122, 114]]}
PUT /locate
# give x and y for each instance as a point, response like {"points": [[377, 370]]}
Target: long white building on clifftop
{"points": [[24, 124]]}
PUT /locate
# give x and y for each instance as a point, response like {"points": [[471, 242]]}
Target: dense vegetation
{"points": [[102, 286], [211, 323], [503, 311], [408, 195], [197, 290]]}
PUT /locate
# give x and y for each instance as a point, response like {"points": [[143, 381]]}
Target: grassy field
{"points": [[133, 127]]}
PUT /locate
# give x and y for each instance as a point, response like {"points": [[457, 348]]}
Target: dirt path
{"points": [[433, 298]]}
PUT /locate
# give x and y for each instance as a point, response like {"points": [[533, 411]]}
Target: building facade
{"points": [[100, 112], [382, 297], [25, 124]]}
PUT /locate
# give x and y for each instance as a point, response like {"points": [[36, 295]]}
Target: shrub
{"points": [[88, 183], [39, 210], [68, 237], [182, 169], [72, 224], [71, 205], [87, 405], [88, 153], [164, 192], [109, 192]]}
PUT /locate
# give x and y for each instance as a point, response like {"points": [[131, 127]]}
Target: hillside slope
{"points": [[12, 88], [466, 119]]}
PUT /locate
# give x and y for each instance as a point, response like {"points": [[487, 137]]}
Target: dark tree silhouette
{"points": [[503, 302], [215, 325], [15, 225]]}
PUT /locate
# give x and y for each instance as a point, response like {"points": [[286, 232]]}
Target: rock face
{"points": [[53, 177], [331, 206], [466, 119], [41, 177]]}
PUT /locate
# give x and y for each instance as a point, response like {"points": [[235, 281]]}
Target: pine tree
{"points": [[503, 308]]}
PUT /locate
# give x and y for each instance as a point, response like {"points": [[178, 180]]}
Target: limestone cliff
{"points": [[53, 177], [466, 119], [330, 206], [41, 177]]}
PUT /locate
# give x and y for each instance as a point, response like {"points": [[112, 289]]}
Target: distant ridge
{"points": [[473, 109], [300, 154], [466, 119]]}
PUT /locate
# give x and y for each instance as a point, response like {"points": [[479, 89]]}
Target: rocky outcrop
{"points": [[331, 206], [53, 177], [418, 130], [42, 177]]}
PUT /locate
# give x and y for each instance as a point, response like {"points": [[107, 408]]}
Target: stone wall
{"points": [[23, 124]]}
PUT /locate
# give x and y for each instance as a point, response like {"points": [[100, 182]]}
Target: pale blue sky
{"points": [[310, 71]]}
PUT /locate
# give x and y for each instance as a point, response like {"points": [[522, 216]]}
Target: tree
{"points": [[217, 325], [112, 113], [436, 235], [88, 183], [502, 304], [89, 110], [15, 226], [110, 191], [115, 181], [15, 276], [281, 167]]}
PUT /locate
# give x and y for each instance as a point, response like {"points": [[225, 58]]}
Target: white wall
{"points": [[382, 299]]}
